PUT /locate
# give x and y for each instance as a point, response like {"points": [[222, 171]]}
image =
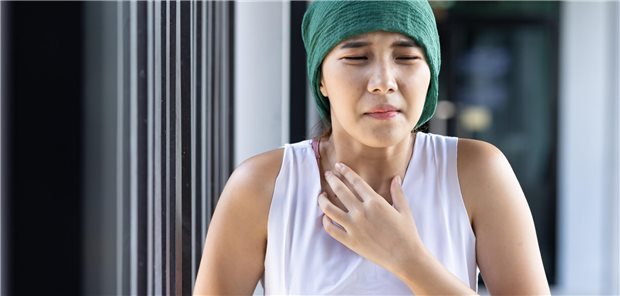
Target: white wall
{"points": [[615, 207], [261, 77], [589, 149]]}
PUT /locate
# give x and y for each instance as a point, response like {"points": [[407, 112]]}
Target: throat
{"points": [[376, 166]]}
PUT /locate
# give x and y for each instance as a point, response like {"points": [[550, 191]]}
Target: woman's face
{"points": [[376, 84]]}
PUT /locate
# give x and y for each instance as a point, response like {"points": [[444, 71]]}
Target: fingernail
{"points": [[399, 181], [339, 166]]}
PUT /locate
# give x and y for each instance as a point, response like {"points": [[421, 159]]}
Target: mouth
{"points": [[383, 112]]}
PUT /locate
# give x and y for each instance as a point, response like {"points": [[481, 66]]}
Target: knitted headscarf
{"points": [[327, 23]]}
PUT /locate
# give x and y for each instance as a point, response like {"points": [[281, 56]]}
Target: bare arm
{"points": [[506, 245], [234, 252]]}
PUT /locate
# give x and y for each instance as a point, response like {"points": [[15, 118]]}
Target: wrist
{"points": [[405, 266], [424, 274]]}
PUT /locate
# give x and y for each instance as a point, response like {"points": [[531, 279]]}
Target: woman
{"points": [[371, 207]]}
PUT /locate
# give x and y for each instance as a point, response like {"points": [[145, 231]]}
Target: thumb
{"points": [[398, 196]]}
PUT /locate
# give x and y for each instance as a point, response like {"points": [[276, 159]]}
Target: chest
{"points": [[303, 259]]}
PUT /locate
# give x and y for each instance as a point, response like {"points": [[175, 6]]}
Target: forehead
{"points": [[380, 37]]}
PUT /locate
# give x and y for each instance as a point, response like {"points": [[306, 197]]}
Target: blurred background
{"points": [[120, 123]]}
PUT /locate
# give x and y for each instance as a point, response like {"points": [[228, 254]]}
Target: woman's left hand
{"points": [[374, 229]]}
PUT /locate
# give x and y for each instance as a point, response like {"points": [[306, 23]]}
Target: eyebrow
{"points": [[358, 44]]}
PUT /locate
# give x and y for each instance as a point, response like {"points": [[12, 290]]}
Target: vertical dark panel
{"points": [[219, 105], [197, 147], [552, 218], [216, 86], [142, 129], [100, 146], [123, 154], [159, 164], [44, 148], [227, 138], [209, 65], [151, 132], [223, 42], [177, 141], [4, 81], [298, 91], [185, 129], [165, 165], [171, 148]]}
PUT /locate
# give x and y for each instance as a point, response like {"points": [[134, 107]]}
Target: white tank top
{"points": [[301, 258]]}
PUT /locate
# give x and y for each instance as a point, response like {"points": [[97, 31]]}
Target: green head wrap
{"points": [[327, 23]]}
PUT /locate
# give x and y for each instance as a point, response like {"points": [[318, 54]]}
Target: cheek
{"points": [[344, 85], [419, 82], [415, 89], [422, 74], [346, 79]]}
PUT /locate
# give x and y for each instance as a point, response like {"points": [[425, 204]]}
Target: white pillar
{"points": [[261, 106], [588, 146]]}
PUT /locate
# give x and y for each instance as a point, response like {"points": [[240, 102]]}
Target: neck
{"points": [[377, 166]]}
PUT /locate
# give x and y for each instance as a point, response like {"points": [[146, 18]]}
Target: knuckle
{"points": [[329, 226], [372, 204], [329, 208], [357, 215]]}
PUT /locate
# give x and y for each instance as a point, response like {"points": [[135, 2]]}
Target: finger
{"points": [[346, 183], [342, 192], [361, 188], [332, 210], [398, 196], [333, 230]]}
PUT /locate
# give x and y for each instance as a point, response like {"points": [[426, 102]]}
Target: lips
{"points": [[383, 112]]}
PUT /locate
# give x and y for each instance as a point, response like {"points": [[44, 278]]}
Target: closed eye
{"points": [[408, 58], [355, 58]]}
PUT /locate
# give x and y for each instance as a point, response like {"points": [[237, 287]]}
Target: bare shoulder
{"points": [[253, 181], [474, 155], [483, 172], [249, 190]]}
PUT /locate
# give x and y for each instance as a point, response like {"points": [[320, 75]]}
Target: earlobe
{"points": [[322, 88]]}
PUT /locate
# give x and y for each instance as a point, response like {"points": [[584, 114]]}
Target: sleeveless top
{"points": [[301, 258]]}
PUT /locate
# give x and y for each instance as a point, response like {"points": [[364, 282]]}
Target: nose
{"points": [[383, 79]]}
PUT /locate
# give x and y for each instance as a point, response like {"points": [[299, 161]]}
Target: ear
{"points": [[323, 88]]}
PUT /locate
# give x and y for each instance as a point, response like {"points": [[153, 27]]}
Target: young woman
{"points": [[372, 206]]}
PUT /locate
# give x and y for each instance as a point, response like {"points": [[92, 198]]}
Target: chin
{"points": [[382, 139]]}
